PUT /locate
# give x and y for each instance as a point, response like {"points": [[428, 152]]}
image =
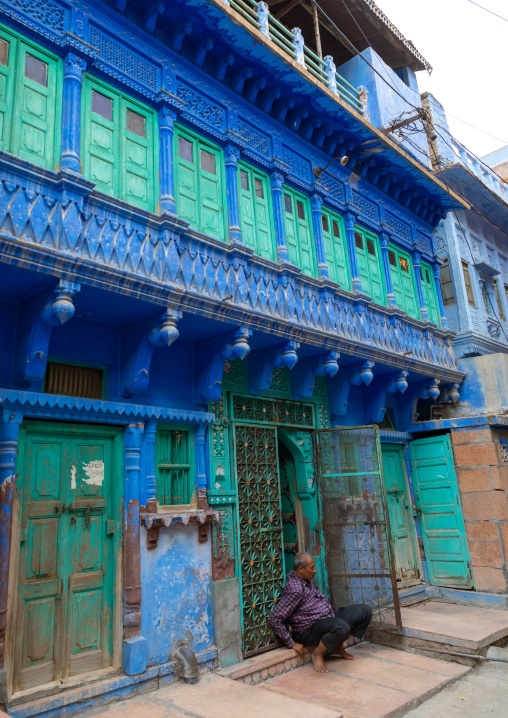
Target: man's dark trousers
{"points": [[332, 632]]}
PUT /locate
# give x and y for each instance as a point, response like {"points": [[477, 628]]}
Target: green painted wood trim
{"points": [[429, 291], [299, 233], [189, 434], [379, 297], [13, 138], [196, 217], [108, 149], [399, 278], [338, 274]]}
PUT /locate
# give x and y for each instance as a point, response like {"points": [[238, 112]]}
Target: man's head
{"points": [[304, 566]]}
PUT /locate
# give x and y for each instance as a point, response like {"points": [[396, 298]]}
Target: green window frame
{"points": [[403, 281], [429, 293], [174, 466], [200, 183], [370, 269], [298, 230], [255, 210], [30, 100], [120, 145], [334, 237]]}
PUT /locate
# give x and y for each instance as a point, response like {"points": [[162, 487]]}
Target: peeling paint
{"points": [[73, 477], [95, 472]]}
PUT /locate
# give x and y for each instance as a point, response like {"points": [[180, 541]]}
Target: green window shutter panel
{"points": [[30, 101], [335, 248], [255, 207], [7, 80], [403, 280], [246, 205], [120, 145], [174, 464], [299, 235], [429, 292], [199, 183], [369, 265], [363, 262]]}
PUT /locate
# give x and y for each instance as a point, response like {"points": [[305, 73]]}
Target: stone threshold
{"points": [[259, 668]]}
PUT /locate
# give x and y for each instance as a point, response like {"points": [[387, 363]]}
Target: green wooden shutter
{"points": [[174, 467], [291, 226], [8, 53], [245, 182], [375, 269], [101, 148], [393, 261], [403, 281], [335, 248], [138, 140], [210, 178], [36, 121], [263, 213], [429, 292], [186, 176], [363, 262]]}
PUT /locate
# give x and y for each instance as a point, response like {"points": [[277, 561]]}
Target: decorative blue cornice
{"points": [[35, 405]]}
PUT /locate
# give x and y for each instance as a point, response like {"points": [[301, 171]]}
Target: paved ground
{"points": [[380, 683], [481, 694]]}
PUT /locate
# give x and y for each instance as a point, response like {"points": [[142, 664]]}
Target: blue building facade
{"points": [[208, 255]]}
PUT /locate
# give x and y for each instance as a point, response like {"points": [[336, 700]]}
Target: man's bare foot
{"points": [[341, 651], [319, 664]]}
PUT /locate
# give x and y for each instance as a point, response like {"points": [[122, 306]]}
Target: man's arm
{"points": [[282, 611]]}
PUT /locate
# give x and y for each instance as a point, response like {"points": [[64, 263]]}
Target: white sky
{"points": [[468, 49]]}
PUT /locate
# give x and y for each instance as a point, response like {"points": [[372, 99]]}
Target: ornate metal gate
{"points": [[356, 526], [260, 531]]}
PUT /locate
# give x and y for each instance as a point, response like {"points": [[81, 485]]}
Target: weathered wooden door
{"points": [[67, 478], [405, 541], [438, 504]]}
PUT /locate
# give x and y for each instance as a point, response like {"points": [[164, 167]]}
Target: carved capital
{"points": [[74, 66]]}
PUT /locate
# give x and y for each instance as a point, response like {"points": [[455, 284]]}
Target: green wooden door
{"points": [[402, 525], [369, 265], [403, 281], [429, 292], [438, 505], [254, 201], [298, 228], [67, 556], [335, 248]]}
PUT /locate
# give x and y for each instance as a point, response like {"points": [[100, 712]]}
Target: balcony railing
{"points": [[484, 173], [292, 43]]}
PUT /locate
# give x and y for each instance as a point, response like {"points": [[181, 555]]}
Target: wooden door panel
{"points": [[42, 548], [38, 660]]}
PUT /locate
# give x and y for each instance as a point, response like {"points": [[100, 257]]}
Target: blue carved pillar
{"points": [[167, 119], [74, 66], [10, 421], [316, 203], [134, 645], [232, 155], [151, 480], [419, 286], [349, 224], [435, 271], [201, 478], [383, 243], [277, 180]]}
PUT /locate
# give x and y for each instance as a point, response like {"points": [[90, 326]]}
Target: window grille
{"points": [[72, 380]]}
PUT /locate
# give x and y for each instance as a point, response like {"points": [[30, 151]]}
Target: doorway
{"points": [[70, 480], [402, 525]]}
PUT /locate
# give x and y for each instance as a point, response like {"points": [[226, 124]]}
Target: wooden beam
{"points": [[316, 29], [286, 9]]}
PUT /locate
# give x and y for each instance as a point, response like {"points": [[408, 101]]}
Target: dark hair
{"points": [[301, 560]]}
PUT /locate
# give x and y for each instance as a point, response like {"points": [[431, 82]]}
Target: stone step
{"points": [[442, 629], [380, 683], [265, 665]]}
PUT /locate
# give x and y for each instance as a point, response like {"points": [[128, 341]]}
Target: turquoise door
{"points": [[405, 541], [438, 505]]}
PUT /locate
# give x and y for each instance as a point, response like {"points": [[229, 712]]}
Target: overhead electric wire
{"points": [[487, 10]]}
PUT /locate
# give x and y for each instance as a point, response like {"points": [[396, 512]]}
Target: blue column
{"points": [[232, 155], [10, 422], [74, 67], [349, 223], [316, 203], [383, 243], [277, 180], [166, 182], [419, 286], [201, 478], [442, 316], [151, 480], [134, 645]]}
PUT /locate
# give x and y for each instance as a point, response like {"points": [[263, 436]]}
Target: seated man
{"points": [[313, 620]]}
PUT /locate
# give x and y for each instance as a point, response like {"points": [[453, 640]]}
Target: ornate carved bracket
{"points": [[262, 364], [152, 13], [450, 394], [209, 361], [35, 331], [376, 408], [306, 372], [339, 391], [137, 372], [193, 517]]}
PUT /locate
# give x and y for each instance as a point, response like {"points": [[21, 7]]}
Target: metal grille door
{"points": [[260, 532], [355, 522]]}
